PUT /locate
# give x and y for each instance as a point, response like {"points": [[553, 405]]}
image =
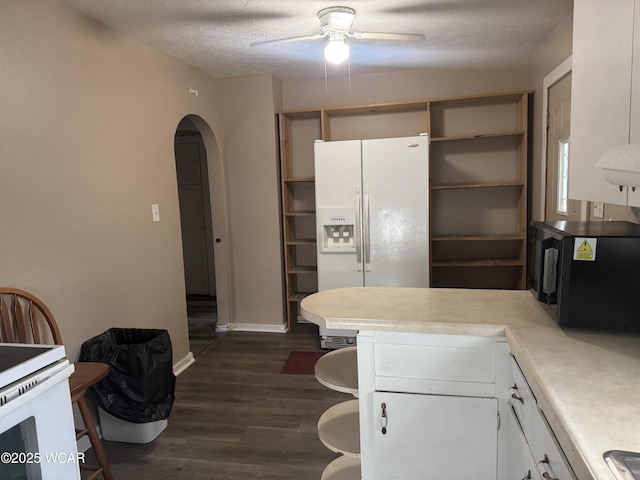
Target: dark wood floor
{"points": [[236, 417]]}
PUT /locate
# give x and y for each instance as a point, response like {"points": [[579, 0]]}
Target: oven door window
{"points": [[19, 450]]}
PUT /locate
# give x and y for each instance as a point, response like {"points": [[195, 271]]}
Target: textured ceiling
{"points": [[214, 36]]}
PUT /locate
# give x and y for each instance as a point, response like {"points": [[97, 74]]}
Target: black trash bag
{"points": [[140, 386]]}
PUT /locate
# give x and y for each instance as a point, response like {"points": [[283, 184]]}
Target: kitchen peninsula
{"points": [[583, 384]]}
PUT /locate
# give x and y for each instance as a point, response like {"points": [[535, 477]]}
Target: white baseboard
{"points": [[183, 364], [251, 327]]}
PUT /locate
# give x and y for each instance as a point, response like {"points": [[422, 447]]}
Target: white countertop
{"points": [[587, 383]]}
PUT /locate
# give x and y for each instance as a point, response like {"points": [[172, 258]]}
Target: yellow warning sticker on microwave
{"points": [[584, 249]]}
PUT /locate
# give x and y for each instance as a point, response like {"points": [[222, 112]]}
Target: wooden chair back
{"points": [[24, 318]]}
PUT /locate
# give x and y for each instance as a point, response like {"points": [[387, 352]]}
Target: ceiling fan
{"points": [[336, 24]]}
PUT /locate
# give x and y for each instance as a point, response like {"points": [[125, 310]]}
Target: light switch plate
{"points": [[598, 209], [155, 212]]}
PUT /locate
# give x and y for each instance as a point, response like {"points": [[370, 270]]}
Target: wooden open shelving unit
{"points": [[298, 131], [478, 185]]}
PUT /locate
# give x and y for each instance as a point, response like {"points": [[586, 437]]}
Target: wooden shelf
{"points": [[339, 428], [307, 213], [484, 262], [478, 185], [298, 296], [301, 114], [342, 468], [302, 269], [518, 133], [338, 370], [301, 241], [299, 180]]}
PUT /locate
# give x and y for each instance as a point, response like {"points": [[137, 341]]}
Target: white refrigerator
{"points": [[372, 209]]}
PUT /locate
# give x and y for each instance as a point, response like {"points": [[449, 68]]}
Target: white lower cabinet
{"points": [[531, 449], [518, 463], [428, 406], [434, 436], [450, 407]]}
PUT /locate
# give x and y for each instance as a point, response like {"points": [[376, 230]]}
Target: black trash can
{"points": [[139, 391]]}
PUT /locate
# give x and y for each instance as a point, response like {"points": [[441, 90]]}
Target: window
{"points": [[563, 176]]}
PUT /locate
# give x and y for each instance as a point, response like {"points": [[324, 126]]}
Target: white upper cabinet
{"points": [[604, 106], [633, 198]]}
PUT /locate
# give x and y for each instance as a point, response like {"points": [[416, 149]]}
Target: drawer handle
{"points": [[515, 396], [384, 418], [546, 475]]}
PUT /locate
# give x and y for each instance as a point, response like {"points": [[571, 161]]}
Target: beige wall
{"points": [[249, 127], [86, 146], [400, 86], [551, 52]]}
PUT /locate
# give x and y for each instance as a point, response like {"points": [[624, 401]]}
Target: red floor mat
{"points": [[302, 363]]}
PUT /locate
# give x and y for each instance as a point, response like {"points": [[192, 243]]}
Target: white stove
{"points": [[18, 361], [37, 434]]}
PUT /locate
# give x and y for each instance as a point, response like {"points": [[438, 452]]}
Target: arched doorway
{"points": [[203, 217], [195, 211]]}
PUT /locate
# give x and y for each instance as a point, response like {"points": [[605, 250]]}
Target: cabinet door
{"points": [[634, 123], [434, 436], [633, 198], [601, 93], [633, 194], [517, 459]]}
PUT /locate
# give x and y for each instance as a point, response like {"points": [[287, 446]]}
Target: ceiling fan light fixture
{"points": [[336, 51]]}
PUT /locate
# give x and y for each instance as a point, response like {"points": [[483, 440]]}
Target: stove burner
{"points": [[18, 361], [12, 355]]}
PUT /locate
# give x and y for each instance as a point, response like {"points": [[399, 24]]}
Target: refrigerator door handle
{"points": [[365, 227], [357, 231]]}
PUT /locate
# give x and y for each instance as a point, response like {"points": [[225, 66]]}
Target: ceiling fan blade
{"points": [[386, 36], [291, 39]]}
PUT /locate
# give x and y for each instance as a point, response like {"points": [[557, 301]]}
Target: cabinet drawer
{"points": [[428, 363], [547, 452], [548, 456], [521, 398]]}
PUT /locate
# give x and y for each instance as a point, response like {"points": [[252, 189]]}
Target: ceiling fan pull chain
{"points": [[326, 82]]}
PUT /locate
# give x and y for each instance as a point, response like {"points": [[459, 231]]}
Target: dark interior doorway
{"points": [[197, 234]]}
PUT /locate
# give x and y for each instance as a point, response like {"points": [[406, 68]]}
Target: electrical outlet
{"points": [[598, 209], [155, 212]]}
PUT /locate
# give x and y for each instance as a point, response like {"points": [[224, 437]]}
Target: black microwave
{"points": [[588, 273]]}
